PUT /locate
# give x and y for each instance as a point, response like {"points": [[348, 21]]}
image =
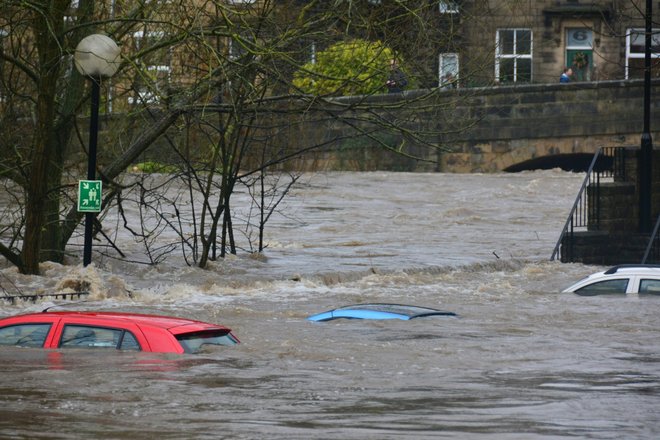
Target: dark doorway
{"points": [[576, 162]]}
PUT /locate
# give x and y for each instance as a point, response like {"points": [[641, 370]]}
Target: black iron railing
{"points": [[608, 162], [35, 296], [653, 248]]}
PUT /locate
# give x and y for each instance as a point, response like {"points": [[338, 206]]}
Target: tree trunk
{"points": [[50, 60], [51, 238]]}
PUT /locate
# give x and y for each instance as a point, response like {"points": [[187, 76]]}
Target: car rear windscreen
{"points": [[197, 341]]}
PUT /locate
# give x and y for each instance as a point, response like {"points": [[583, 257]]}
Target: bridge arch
{"points": [[576, 162], [543, 126]]}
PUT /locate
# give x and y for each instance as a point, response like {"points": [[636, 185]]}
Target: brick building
{"points": [[444, 43], [531, 41]]}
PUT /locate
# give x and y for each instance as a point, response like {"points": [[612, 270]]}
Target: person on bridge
{"points": [[566, 75], [397, 80]]}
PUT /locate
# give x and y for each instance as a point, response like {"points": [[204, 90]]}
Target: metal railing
{"points": [[607, 162], [653, 248], [11, 293], [12, 299]]}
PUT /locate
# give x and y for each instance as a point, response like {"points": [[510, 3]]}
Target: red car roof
{"points": [[154, 333], [171, 323]]}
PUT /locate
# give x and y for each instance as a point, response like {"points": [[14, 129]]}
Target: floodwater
{"points": [[521, 361]]}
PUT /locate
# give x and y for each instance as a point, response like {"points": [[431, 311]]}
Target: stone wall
{"points": [[549, 22], [476, 129], [605, 249], [491, 129], [541, 120], [619, 200], [612, 236]]}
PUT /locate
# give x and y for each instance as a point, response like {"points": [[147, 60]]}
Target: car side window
{"points": [[129, 342], [649, 287], [608, 287], [84, 336], [24, 335]]}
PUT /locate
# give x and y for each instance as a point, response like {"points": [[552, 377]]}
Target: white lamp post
{"points": [[97, 57]]}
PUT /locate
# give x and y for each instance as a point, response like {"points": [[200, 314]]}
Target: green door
{"points": [[582, 62]]}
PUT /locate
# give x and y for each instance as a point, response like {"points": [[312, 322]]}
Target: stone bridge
{"points": [[512, 128], [505, 128]]}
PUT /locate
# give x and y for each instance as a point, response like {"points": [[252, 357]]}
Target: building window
{"points": [[240, 46], [513, 55], [448, 7], [235, 49], [154, 75], [448, 71], [635, 49], [312, 53], [73, 11]]}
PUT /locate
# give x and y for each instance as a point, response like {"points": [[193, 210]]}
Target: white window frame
{"points": [[233, 53], [141, 34], [448, 7], [655, 40], [442, 72], [145, 95], [515, 55], [312, 52], [74, 5], [235, 50]]}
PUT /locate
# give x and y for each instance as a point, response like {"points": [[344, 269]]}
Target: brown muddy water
{"points": [[521, 360]]}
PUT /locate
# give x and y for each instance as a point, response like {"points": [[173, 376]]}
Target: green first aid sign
{"points": [[89, 196]]}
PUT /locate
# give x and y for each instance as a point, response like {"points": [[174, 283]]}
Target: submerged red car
{"points": [[111, 330]]}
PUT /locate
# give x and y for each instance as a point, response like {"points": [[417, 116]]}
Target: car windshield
{"points": [[196, 341]]}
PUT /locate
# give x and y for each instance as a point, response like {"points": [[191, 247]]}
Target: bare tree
{"points": [[205, 87]]}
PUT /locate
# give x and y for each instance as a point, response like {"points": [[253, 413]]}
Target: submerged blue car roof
{"points": [[379, 311]]}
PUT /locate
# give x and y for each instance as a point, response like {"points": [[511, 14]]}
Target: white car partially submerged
{"points": [[623, 279]]}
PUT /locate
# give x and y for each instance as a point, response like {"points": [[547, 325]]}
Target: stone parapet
{"points": [[486, 129], [491, 129]]}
